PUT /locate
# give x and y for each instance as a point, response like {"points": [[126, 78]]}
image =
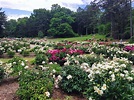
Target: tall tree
{"points": [[131, 21], [2, 22], [60, 24], [116, 11], [88, 17], [21, 28], [10, 27]]}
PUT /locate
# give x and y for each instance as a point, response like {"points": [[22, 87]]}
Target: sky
{"points": [[29, 5]]}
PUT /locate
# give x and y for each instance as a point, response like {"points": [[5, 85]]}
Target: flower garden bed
{"points": [[69, 70]]}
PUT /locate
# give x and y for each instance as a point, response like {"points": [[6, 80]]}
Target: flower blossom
{"points": [[47, 94], [69, 77]]}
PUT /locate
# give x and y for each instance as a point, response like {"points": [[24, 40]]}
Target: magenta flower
{"points": [[129, 48]]}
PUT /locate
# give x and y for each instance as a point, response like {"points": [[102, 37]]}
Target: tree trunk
{"points": [[86, 31], [111, 15], [131, 24]]}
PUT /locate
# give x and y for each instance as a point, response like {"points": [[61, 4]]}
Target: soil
{"points": [[8, 88]]}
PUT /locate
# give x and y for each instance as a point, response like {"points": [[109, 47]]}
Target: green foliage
{"points": [[2, 22], [55, 67], [1, 73], [60, 25], [17, 65], [40, 58], [2, 50], [104, 28], [25, 53], [35, 85], [76, 83], [10, 53], [40, 34], [131, 39]]}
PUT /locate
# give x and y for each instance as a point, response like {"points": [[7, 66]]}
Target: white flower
{"points": [[100, 92], [129, 78], [104, 87], [69, 77], [91, 98], [122, 75], [14, 62], [1, 63], [110, 72], [43, 62], [125, 71], [96, 88], [116, 70], [59, 77], [113, 77], [26, 67], [50, 63], [47, 94], [22, 63], [54, 71], [53, 76], [19, 50]]}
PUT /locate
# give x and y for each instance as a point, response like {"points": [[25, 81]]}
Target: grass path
{"points": [[81, 38]]}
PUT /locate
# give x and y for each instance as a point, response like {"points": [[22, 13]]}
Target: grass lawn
{"points": [[81, 38], [30, 59]]}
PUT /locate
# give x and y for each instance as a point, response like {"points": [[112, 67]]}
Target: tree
{"points": [[10, 27], [21, 28], [115, 11], [2, 22], [88, 18], [60, 24]]}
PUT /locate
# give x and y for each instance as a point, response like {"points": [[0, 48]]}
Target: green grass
{"points": [[81, 38], [25, 58]]}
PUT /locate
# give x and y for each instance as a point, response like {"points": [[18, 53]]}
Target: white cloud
{"points": [[35, 4], [29, 5], [16, 16]]}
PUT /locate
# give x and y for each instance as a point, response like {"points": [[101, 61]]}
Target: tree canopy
{"points": [[109, 17], [2, 22]]}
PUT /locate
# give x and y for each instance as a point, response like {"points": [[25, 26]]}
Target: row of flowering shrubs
{"points": [[12, 47], [94, 76]]}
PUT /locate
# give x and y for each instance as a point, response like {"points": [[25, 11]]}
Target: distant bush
{"points": [[40, 34], [131, 39], [10, 53], [25, 53]]}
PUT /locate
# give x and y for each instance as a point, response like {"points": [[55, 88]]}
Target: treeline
{"points": [[109, 17]]}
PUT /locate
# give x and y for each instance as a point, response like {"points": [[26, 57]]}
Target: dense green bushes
{"points": [[35, 85]]}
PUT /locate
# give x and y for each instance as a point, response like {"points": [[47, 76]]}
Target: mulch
{"points": [[8, 88]]}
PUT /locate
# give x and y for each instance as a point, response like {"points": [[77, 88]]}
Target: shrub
{"points": [[2, 50], [40, 34], [109, 80], [40, 58], [10, 53], [25, 53], [18, 65], [73, 80], [35, 86], [131, 39]]}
